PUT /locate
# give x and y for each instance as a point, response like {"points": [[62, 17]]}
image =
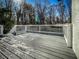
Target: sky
{"points": [[32, 1], [51, 1]]}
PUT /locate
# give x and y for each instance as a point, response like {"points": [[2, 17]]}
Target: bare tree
{"points": [[52, 13], [6, 6], [61, 10], [41, 8], [8, 3], [69, 5]]}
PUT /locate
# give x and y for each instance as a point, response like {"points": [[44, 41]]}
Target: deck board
{"points": [[35, 46]]}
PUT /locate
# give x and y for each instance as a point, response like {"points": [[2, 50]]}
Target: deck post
{"points": [[1, 29], [67, 29]]}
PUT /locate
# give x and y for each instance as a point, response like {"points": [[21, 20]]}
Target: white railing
{"points": [[19, 29], [64, 29], [1, 29]]}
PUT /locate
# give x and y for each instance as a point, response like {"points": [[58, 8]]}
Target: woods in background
{"points": [[43, 12]]}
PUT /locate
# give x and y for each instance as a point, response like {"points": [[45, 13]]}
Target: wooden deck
{"points": [[35, 46]]}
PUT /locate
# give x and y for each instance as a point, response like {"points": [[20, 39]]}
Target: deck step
{"points": [[2, 56], [7, 53], [16, 51]]}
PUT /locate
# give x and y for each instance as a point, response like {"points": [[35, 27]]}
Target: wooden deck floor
{"points": [[35, 46]]}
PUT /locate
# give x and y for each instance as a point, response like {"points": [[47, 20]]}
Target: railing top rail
{"points": [[46, 25]]}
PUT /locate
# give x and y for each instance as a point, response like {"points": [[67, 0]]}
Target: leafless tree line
{"points": [[47, 13]]}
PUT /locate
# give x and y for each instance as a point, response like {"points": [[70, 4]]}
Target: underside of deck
{"points": [[35, 46]]}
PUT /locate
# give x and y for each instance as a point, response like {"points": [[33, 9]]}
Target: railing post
{"points": [[39, 28], [67, 29], [1, 29], [25, 28]]}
